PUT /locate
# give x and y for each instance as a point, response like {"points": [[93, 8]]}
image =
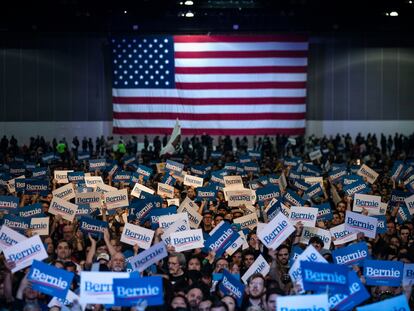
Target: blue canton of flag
{"points": [[143, 62]]}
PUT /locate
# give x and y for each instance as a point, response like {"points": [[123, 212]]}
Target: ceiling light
{"points": [[394, 13], [189, 14], [189, 2]]}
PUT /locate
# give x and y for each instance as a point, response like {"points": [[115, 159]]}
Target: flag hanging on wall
{"points": [[221, 85]]}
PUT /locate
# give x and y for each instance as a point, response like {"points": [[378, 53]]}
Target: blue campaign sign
{"points": [[251, 167], [314, 191], [293, 198], [155, 214], [200, 170], [19, 224], [34, 186], [76, 177], [216, 154], [82, 156], [267, 193], [17, 169], [8, 202], [397, 170], [231, 166], [403, 214], [383, 272], [294, 253], [97, 165], [221, 240], [273, 209], [357, 294], [356, 187], [93, 226], [129, 292], [122, 176], [206, 193], [293, 175], [398, 196], [144, 171], [229, 285], [30, 166], [140, 209], [301, 185], [128, 159], [382, 223], [337, 175], [49, 157], [351, 179], [4, 177], [255, 154], [50, 280], [174, 167], [322, 276], [324, 211], [111, 169], [353, 254], [40, 172], [83, 209], [168, 180], [29, 211], [20, 184], [398, 303], [294, 161]]}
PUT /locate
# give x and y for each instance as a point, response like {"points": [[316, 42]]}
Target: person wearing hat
{"points": [[207, 222]]}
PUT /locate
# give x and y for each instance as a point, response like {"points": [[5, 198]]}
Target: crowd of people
{"points": [[191, 279]]}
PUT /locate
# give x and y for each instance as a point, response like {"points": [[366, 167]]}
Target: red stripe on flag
{"points": [[240, 54], [264, 69], [256, 38], [209, 101], [208, 116], [232, 132], [239, 85]]}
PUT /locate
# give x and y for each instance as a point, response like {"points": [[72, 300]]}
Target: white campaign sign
{"points": [[138, 188], [165, 190], [115, 199], [355, 222], [237, 197], [133, 234], [193, 216], [96, 287], [309, 232], [276, 231], [186, 240], [102, 188], [165, 221], [91, 198], [40, 225], [314, 155], [371, 203], [93, 181], [9, 237], [314, 180], [23, 253], [62, 176], [249, 221], [368, 173], [67, 192], [410, 204], [177, 226], [341, 236], [63, 208], [193, 181], [233, 182], [306, 215], [174, 201], [260, 265]]}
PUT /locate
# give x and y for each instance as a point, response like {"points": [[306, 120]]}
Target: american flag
{"points": [[221, 85]]}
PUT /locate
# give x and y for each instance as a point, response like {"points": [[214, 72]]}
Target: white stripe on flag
{"points": [[254, 77], [239, 62], [248, 109], [216, 124], [246, 46], [253, 93]]}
